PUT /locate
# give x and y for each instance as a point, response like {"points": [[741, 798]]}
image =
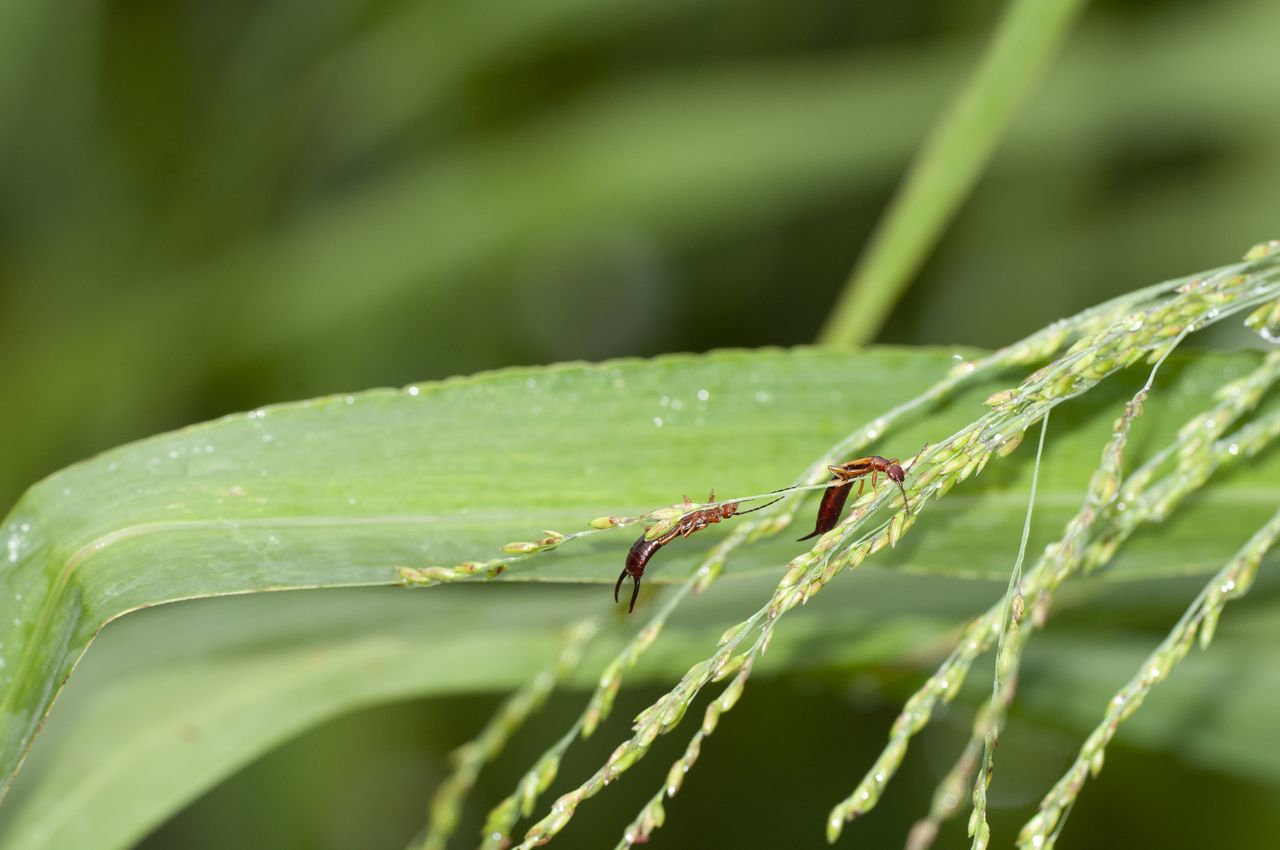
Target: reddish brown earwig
{"points": [[833, 498], [643, 549]]}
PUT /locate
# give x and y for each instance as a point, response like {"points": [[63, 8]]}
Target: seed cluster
{"points": [[1146, 325]]}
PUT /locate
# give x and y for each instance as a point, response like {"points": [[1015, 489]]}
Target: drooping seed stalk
{"points": [[1198, 303], [1039, 345], [446, 806], [1099, 498], [1090, 539], [1093, 358], [1231, 582], [653, 815]]}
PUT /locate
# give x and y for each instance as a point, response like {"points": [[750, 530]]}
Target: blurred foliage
{"points": [[209, 206]]}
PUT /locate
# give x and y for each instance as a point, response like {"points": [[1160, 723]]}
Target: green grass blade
{"points": [[341, 491], [177, 717], [949, 164]]}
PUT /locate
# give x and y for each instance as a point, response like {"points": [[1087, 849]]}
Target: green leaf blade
{"points": [[340, 491]]}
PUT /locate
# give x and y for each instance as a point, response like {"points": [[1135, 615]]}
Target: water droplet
{"points": [[413, 391], [350, 399], [657, 421], [676, 404], [762, 397], [1233, 449], [703, 395]]}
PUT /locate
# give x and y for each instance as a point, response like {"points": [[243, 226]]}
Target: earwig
{"points": [[643, 549], [833, 498]]}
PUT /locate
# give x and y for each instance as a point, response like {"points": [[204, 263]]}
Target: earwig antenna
{"points": [[912, 465], [762, 507]]}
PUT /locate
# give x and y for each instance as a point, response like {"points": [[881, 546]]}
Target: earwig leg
{"points": [[712, 496], [634, 593], [905, 504], [860, 486], [618, 586]]}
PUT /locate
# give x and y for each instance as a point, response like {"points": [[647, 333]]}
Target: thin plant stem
{"points": [[446, 805], [1011, 618], [949, 163]]}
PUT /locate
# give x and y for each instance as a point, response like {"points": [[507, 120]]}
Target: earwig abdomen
{"points": [[833, 500], [644, 548]]}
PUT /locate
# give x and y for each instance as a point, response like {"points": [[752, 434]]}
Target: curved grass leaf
{"points": [[151, 723], [340, 491]]}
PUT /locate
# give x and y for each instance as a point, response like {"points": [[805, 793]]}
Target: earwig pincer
{"points": [[834, 497], [695, 520]]}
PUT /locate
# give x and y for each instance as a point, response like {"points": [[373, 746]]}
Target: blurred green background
{"points": [[205, 207]]}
